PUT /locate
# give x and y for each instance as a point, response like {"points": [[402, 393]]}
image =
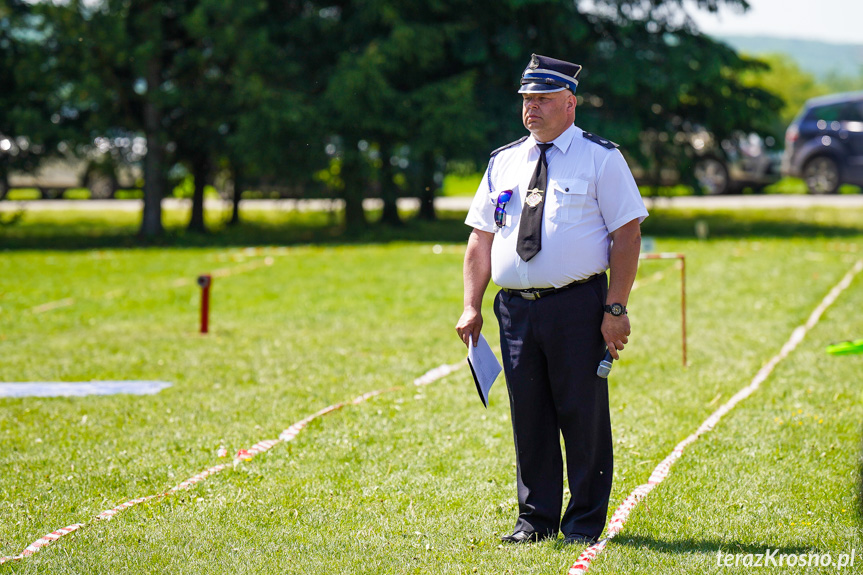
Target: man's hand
{"points": [[615, 332], [469, 325]]}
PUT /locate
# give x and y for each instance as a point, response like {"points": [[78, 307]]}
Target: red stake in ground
{"points": [[205, 282]]}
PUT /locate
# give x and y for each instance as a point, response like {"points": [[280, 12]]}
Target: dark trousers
{"points": [[551, 349]]}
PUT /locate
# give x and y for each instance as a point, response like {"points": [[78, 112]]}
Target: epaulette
{"points": [[600, 140], [511, 144]]}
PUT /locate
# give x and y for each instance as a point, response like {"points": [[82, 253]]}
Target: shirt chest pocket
{"points": [[570, 196]]}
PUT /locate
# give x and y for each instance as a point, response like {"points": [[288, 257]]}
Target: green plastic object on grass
{"points": [[846, 347]]}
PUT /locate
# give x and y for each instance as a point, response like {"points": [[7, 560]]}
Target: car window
{"points": [[853, 112], [828, 114]]}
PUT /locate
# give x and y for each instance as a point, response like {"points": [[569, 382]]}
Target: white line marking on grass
{"points": [[242, 268], [661, 472], [242, 455], [51, 305], [654, 277], [180, 282], [228, 271]]}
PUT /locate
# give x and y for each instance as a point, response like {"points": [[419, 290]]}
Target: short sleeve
{"points": [[481, 212], [618, 196]]}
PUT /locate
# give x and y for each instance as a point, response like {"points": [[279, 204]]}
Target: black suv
{"points": [[824, 143]]}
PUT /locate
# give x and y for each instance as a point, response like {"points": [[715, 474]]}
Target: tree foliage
{"points": [[371, 97], [784, 78], [31, 105]]}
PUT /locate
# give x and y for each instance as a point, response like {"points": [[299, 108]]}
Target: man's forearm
{"points": [[477, 273], [623, 262], [477, 268]]}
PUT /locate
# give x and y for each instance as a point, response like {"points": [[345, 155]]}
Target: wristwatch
{"points": [[616, 309]]}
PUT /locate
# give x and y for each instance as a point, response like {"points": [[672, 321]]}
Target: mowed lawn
{"points": [[420, 479]]}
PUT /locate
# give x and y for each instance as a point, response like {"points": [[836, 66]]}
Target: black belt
{"points": [[536, 293]]}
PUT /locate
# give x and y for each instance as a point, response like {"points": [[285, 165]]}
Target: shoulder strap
{"points": [[511, 144], [600, 140], [496, 152]]}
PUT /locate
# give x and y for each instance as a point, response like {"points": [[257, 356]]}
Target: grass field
{"points": [[418, 480], [466, 185]]}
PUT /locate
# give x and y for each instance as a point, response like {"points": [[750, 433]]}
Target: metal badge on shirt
{"points": [[534, 198]]}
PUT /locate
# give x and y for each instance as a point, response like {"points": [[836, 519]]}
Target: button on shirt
{"points": [[590, 193]]}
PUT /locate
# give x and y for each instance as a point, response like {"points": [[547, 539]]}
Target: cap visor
{"points": [[537, 88]]}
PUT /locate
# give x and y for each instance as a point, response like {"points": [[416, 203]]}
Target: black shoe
{"points": [[576, 539], [526, 537], [523, 537]]}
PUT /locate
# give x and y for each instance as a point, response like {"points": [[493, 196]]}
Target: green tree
{"points": [[264, 89], [784, 78], [398, 83], [207, 83], [107, 65], [275, 58], [438, 75], [648, 74], [240, 100], [835, 82], [33, 122]]}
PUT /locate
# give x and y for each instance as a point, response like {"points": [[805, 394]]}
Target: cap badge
{"points": [[534, 62], [534, 198]]}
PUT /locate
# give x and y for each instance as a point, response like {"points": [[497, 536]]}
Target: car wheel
{"points": [[821, 175], [712, 176]]}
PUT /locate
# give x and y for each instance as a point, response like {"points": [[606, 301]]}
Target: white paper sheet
{"points": [[483, 365]]}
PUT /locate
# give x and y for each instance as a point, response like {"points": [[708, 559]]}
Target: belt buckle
{"points": [[529, 295]]}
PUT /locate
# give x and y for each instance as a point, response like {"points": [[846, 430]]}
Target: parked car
{"points": [[824, 143], [740, 161], [712, 166], [104, 167]]}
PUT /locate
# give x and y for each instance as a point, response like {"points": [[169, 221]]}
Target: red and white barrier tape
{"points": [[660, 473], [242, 455], [217, 273]]}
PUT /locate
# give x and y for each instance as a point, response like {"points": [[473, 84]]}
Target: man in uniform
{"points": [[554, 211]]}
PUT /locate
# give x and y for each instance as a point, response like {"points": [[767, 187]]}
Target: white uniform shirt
{"points": [[590, 193]]}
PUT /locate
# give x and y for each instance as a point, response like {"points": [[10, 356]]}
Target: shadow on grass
{"points": [[296, 230], [781, 223], [709, 546], [83, 232]]}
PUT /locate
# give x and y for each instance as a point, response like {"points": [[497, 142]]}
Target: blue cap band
{"points": [[544, 82]]}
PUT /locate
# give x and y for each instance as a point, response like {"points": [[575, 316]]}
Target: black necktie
{"points": [[530, 228]]}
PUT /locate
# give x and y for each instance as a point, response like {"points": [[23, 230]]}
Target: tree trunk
{"points": [[428, 187], [656, 176], [389, 190], [236, 194], [199, 173], [352, 176], [154, 182], [4, 184]]}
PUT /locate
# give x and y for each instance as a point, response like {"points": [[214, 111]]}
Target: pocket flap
{"points": [[570, 186]]}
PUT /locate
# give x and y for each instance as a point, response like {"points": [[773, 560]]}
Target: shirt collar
{"points": [[563, 141]]}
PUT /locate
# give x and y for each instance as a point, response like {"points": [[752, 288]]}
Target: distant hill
{"points": [[817, 58]]}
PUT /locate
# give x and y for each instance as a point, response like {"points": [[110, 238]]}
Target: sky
{"points": [[837, 21]]}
